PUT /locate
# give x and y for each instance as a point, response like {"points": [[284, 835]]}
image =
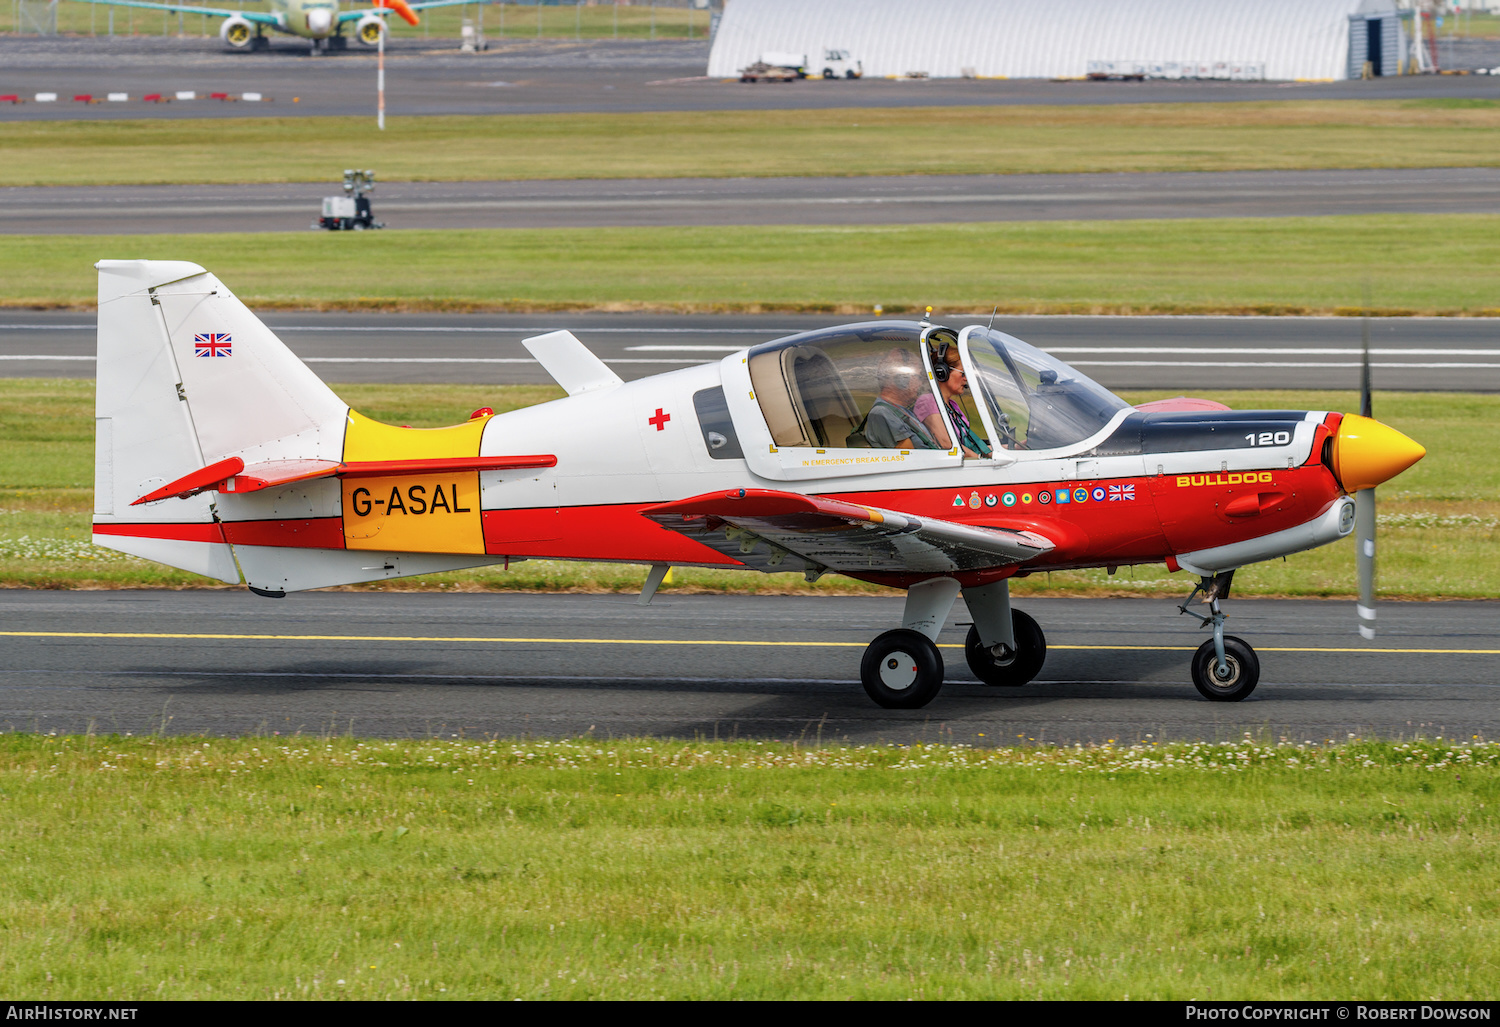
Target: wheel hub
{"points": [[898, 671]]}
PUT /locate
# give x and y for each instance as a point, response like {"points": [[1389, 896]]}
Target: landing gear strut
{"points": [[903, 670], [1225, 668]]}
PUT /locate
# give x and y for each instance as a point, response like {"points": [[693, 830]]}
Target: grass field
{"points": [[677, 144], [501, 21], [1440, 521], [184, 868], [1412, 264]]}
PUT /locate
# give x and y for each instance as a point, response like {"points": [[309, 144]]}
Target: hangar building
{"points": [[1243, 39]]}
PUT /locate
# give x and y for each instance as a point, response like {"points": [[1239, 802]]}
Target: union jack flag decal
{"points": [[214, 344], [1118, 493]]}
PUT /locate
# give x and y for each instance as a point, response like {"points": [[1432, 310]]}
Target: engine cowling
{"points": [[368, 29], [237, 32]]}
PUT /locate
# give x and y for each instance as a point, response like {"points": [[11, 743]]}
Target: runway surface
{"points": [[1446, 354], [914, 199], [555, 76], [419, 664]]}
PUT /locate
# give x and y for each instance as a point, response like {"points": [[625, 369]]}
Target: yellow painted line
{"points": [[1283, 649], [406, 638], [686, 641]]}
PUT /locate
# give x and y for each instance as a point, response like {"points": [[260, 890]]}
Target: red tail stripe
{"points": [[174, 532]]}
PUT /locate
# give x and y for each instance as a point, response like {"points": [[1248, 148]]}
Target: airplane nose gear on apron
{"points": [[1225, 669]]}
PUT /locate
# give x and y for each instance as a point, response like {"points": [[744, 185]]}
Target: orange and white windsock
{"points": [[402, 8]]}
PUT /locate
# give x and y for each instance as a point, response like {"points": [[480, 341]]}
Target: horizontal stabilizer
{"points": [[234, 475]]}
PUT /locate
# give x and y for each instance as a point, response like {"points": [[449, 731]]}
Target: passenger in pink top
{"points": [[952, 390]]}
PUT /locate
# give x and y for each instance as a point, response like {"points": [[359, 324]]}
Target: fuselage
{"points": [[310, 19], [321, 495], [645, 443]]}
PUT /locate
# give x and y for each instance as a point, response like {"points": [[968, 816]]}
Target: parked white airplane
{"points": [[320, 21]]}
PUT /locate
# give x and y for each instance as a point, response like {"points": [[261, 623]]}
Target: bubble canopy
{"points": [[1033, 400], [873, 386]]}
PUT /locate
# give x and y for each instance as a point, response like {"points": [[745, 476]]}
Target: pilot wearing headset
{"points": [[952, 379]]}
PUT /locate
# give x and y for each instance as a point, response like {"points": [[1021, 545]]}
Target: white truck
{"points": [[835, 64], [784, 66]]}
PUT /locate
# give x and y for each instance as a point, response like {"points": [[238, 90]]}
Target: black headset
{"points": [[940, 366]]}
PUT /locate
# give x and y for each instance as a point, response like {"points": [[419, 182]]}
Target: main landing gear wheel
{"points": [[1014, 669], [902, 670], [1240, 661]]}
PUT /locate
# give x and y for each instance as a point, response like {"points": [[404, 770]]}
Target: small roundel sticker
{"points": [[1009, 499], [1098, 493], [1025, 497], [990, 500], [1080, 495], [1044, 497]]}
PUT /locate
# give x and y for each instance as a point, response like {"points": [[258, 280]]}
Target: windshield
{"points": [[1035, 400]]}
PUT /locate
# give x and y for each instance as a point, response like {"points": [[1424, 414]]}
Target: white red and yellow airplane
{"points": [[320, 21], [220, 453]]}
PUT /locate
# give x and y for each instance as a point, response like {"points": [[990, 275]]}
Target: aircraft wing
{"points": [[383, 9], [213, 12], [763, 527]]}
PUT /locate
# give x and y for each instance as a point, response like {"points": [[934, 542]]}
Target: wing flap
{"points": [[840, 536]]}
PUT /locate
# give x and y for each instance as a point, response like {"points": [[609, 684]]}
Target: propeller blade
{"points": [[1364, 560], [1364, 367], [1364, 499]]}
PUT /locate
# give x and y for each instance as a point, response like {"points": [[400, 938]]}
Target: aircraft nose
{"points": [[319, 21], [1366, 453]]}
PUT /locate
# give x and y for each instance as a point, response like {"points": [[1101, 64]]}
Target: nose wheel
{"points": [[1230, 679], [902, 670], [1225, 668]]}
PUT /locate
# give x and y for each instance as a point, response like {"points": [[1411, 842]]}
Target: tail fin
{"points": [[188, 376]]}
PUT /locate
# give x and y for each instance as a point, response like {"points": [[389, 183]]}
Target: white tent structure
{"points": [[1272, 39]]}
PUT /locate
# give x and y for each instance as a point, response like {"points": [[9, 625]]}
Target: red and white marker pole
{"points": [[380, 80]]}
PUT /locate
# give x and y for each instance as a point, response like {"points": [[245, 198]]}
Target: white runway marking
{"points": [[1268, 363], [1438, 365], [1264, 351], [683, 349]]}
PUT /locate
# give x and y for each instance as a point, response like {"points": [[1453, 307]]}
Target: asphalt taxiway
{"points": [[422, 664], [906, 199], [519, 76], [1438, 354]]}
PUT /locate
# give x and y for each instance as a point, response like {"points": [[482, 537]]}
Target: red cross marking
{"points": [[660, 420]]}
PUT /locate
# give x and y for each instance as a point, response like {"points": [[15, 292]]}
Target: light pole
{"points": [[380, 79]]}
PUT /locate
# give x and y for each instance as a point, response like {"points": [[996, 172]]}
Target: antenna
{"points": [[992, 317]]}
